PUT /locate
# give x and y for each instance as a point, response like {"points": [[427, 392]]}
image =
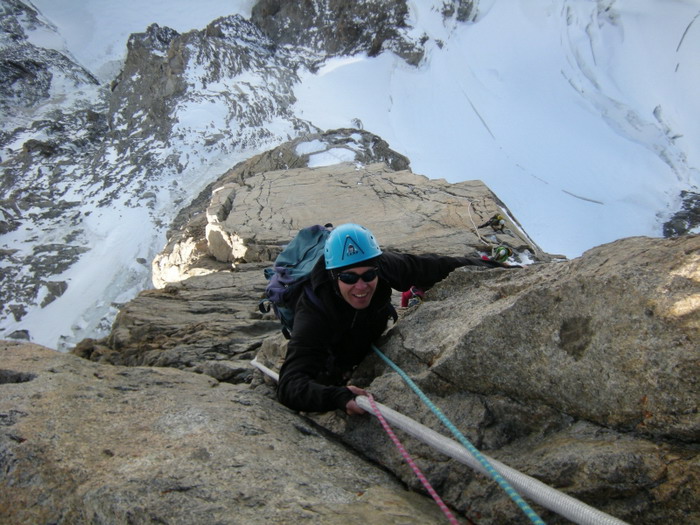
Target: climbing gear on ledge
{"points": [[501, 253], [497, 223]]}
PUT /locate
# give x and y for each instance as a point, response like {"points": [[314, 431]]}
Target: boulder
{"points": [[82, 442], [582, 374]]}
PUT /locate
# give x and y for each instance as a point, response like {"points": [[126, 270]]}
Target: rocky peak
{"points": [[28, 72], [130, 144], [687, 218], [338, 28], [155, 39], [141, 100]]}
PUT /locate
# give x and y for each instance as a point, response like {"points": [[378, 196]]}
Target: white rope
{"points": [[475, 228], [540, 493], [270, 373]]}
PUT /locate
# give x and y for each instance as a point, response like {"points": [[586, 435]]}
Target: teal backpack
{"points": [[290, 275]]}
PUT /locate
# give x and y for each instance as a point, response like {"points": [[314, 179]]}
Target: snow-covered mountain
{"points": [[581, 115]]}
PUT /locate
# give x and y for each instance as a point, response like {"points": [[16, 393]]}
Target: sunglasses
{"points": [[352, 278]]}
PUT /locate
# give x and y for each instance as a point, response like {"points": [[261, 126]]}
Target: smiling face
{"points": [[360, 294]]}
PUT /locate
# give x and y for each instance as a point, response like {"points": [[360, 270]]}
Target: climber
{"points": [[501, 253], [497, 222], [345, 310], [412, 297]]}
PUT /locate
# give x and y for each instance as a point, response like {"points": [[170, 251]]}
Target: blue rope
{"points": [[534, 518]]}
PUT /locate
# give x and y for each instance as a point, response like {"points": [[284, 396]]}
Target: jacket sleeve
{"points": [[305, 360], [404, 270]]}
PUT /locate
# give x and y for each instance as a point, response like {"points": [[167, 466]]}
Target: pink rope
{"points": [[411, 463]]}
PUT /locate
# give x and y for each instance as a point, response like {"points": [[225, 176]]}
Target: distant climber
{"points": [[497, 222]]}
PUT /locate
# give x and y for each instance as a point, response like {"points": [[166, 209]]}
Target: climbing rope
{"points": [[475, 228], [517, 499], [499, 253], [411, 463], [567, 506]]}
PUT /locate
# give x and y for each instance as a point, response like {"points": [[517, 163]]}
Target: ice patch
{"points": [[304, 148]]}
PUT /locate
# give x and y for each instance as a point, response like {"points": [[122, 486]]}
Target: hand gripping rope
{"points": [[411, 463], [550, 498]]}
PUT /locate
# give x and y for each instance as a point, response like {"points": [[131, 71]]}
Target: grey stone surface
{"points": [[583, 374], [82, 442]]}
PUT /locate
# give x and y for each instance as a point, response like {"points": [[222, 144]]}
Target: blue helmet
{"points": [[348, 245]]}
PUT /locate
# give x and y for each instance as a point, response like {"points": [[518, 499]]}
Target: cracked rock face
{"points": [[211, 272], [582, 374], [579, 373], [258, 206]]}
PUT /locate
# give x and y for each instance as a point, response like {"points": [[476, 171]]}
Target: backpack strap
{"points": [[308, 291]]}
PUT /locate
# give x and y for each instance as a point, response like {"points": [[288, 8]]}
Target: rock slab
{"points": [[82, 442]]}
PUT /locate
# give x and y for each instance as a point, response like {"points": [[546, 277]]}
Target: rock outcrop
{"points": [[582, 373], [341, 27], [82, 442], [204, 314]]}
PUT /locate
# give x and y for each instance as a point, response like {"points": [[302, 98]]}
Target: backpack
{"points": [[290, 275]]}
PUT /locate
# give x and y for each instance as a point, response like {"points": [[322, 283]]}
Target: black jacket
{"points": [[328, 342]]}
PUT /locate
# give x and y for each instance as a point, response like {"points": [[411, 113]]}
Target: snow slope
{"points": [[583, 121]]}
